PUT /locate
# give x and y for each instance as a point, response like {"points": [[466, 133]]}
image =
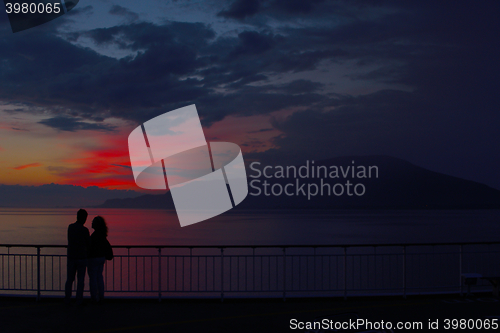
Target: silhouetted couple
{"points": [[87, 251]]}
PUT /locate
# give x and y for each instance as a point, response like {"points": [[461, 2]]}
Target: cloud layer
{"points": [[424, 77]]}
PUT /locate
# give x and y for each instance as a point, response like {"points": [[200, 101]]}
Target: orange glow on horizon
{"points": [[100, 158]]}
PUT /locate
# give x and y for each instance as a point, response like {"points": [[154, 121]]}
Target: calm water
{"points": [[156, 227], [205, 272]]}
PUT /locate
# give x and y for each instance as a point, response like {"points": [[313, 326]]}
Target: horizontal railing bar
{"points": [[260, 246], [332, 270]]}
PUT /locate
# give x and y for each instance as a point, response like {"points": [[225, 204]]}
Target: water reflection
{"points": [[240, 227]]}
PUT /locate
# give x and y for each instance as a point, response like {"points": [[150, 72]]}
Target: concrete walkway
{"points": [[264, 315]]}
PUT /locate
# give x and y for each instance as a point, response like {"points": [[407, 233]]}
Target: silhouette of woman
{"points": [[99, 246]]}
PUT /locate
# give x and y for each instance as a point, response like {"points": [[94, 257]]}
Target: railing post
{"points": [[191, 270], [345, 272], [284, 274], [314, 268], [404, 272], [460, 270], [159, 274], [8, 267], [375, 265], [128, 268], [38, 288], [222, 274], [253, 268]]}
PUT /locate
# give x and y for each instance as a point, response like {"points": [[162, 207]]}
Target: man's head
{"points": [[81, 216]]}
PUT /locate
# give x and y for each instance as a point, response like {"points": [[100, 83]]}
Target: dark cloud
{"points": [[240, 9], [446, 123], [445, 56], [300, 87], [4, 19], [254, 143], [246, 80], [176, 64], [71, 124], [450, 137], [249, 100], [296, 6], [260, 131], [252, 43], [122, 11]]}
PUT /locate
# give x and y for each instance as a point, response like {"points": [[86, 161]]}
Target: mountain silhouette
{"points": [[399, 185], [57, 196]]}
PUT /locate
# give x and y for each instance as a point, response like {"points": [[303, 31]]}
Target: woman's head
{"points": [[99, 224]]}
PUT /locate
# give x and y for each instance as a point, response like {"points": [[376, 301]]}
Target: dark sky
{"points": [[301, 79]]}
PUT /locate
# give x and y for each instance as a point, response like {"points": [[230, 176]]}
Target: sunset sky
{"points": [[286, 80]]}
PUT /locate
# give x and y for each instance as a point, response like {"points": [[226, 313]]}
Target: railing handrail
{"points": [[263, 246], [341, 267]]}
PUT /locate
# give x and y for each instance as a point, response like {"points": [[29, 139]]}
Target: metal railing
{"points": [[259, 271]]}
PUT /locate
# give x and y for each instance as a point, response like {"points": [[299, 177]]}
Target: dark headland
{"points": [[398, 185]]}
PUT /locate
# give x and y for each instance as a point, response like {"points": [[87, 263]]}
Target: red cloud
{"points": [[122, 182], [101, 167], [32, 165]]}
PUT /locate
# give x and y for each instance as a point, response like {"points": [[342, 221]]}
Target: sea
{"points": [[258, 227], [207, 271]]}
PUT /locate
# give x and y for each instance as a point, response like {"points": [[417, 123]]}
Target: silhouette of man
{"points": [[78, 246]]}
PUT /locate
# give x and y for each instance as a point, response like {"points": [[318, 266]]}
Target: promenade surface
{"points": [[232, 315]]}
